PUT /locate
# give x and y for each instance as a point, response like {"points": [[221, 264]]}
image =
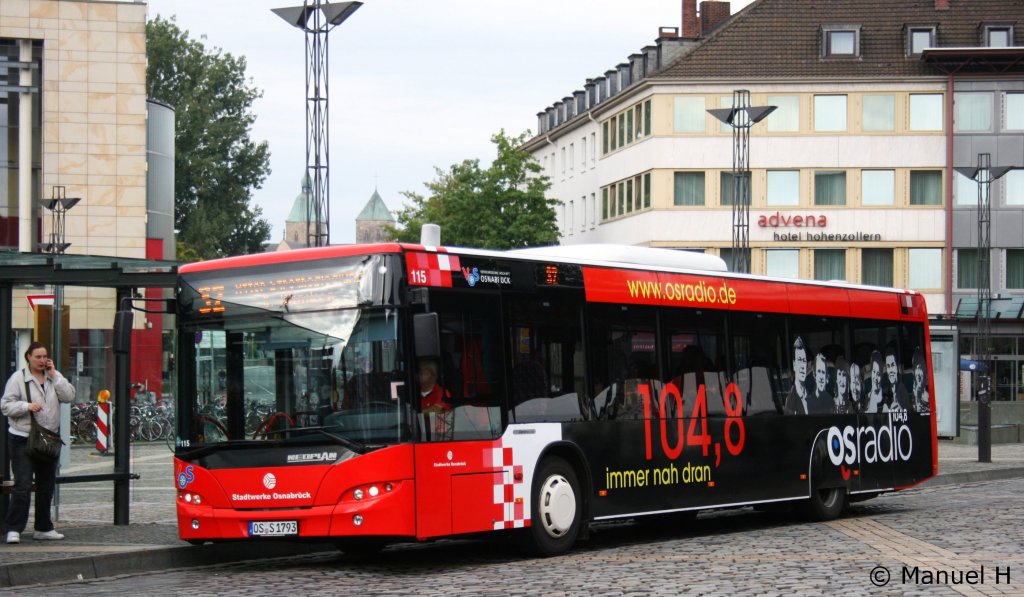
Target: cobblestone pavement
{"points": [[952, 529]]}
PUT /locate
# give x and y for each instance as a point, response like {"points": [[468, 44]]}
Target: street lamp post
{"points": [[317, 18], [58, 205], [984, 174], [741, 117]]}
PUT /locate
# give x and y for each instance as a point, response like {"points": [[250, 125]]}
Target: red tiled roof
{"points": [[782, 38]]}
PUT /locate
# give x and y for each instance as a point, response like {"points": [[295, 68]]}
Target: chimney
{"points": [[636, 67], [550, 111], [651, 65], [559, 113], [712, 14], [691, 26], [601, 84], [624, 80], [570, 107], [613, 81], [590, 88], [581, 101], [542, 122], [941, 4]]}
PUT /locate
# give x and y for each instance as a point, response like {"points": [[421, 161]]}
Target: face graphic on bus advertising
{"points": [[890, 368], [820, 373], [876, 376], [800, 364], [855, 383], [841, 382], [919, 375]]}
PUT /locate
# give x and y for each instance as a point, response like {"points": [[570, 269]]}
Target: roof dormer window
{"points": [[997, 35], [840, 41], [919, 38]]}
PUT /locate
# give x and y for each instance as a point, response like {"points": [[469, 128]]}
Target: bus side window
{"points": [[546, 368], [756, 354]]}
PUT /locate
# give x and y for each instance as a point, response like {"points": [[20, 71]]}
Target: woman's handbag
{"points": [[43, 444]]}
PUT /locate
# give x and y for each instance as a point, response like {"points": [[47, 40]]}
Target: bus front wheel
{"points": [[557, 510]]}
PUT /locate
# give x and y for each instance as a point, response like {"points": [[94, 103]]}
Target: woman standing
{"points": [[46, 388]]}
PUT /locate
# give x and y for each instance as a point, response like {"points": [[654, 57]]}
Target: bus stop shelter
{"points": [[125, 275]]}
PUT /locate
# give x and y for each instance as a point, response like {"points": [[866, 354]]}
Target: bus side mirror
{"points": [[427, 335], [123, 322]]}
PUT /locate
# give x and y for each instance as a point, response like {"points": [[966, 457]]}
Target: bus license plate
{"points": [[273, 528]]}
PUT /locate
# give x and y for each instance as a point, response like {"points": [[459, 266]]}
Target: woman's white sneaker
{"points": [[52, 535], [13, 537]]}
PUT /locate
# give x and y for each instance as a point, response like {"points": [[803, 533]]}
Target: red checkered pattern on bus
{"points": [[508, 491], [431, 269]]}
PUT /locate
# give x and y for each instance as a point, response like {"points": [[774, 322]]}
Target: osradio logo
{"points": [[886, 443]]}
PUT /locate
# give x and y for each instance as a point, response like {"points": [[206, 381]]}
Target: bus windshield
{"points": [[271, 376]]}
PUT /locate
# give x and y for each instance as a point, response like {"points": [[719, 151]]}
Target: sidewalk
{"points": [[95, 548]]}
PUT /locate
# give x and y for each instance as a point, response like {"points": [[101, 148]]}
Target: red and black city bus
{"points": [[573, 385]]}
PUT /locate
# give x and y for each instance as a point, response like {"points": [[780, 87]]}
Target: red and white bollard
{"points": [[103, 422]]}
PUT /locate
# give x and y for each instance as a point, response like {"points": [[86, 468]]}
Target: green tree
{"points": [[216, 164], [500, 207]]}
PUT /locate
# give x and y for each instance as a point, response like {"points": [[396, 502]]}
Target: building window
{"points": [[604, 137], [724, 101], [967, 268], [786, 117], [604, 203], [925, 268], [568, 217], [782, 263], [998, 35], [1015, 269], [830, 264], [919, 39], [689, 188], [593, 210], [840, 41], [878, 113], [829, 113], [572, 157], [1013, 181], [830, 188], [783, 187], [877, 187], [876, 267], [728, 188], [973, 111], [966, 190], [925, 187], [622, 130], [1014, 111], [583, 153], [647, 190], [689, 115], [926, 112], [629, 126], [563, 161], [647, 118]]}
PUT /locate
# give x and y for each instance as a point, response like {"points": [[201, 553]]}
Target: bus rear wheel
{"points": [[826, 503], [557, 510]]}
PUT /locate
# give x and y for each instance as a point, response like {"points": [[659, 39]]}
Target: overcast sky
{"points": [[415, 84]]}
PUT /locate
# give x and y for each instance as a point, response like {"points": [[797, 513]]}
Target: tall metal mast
{"points": [[317, 18]]}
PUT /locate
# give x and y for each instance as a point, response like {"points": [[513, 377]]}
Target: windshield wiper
{"points": [[203, 450], [351, 444]]}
